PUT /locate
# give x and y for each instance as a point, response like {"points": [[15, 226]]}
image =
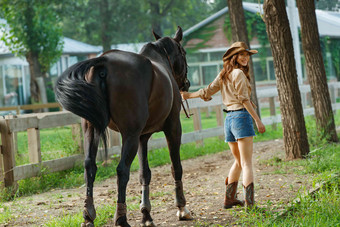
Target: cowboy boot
{"points": [[230, 198], [249, 196]]}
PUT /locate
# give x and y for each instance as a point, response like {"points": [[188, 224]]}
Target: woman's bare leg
{"points": [[245, 146], [235, 170]]}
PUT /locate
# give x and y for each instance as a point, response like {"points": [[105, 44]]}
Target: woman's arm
{"points": [[204, 93], [249, 107], [190, 95]]}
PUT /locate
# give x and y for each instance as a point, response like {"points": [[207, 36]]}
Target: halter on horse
{"points": [[136, 95]]}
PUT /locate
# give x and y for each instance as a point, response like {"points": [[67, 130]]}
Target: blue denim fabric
{"points": [[238, 125]]}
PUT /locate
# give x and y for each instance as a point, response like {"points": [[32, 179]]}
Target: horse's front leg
{"points": [[91, 141], [129, 151], [173, 133], [144, 179]]}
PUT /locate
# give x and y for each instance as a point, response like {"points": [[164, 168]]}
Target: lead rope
{"points": [[187, 113]]}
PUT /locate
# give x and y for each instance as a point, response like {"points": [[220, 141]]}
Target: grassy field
{"points": [[323, 161]]}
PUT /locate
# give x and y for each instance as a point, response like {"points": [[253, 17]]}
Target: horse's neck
{"points": [[151, 51], [156, 54]]}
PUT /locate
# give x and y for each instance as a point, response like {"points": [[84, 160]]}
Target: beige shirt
{"points": [[234, 92]]}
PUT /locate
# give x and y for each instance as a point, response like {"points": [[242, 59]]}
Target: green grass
{"points": [[55, 143], [5, 213]]}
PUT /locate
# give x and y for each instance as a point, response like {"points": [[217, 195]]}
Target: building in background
{"points": [[14, 71], [207, 41]]}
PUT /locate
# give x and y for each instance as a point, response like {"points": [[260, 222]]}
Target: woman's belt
{"points": [[228, 111]]}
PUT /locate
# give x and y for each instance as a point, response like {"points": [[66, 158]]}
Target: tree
{"points": [[316, 70], [157, 12], [33, 31], [165, 15], [129, 21], [280, 38], [104, 22], [239, 33]]}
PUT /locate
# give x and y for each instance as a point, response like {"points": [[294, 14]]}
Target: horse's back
{"points": [[140, 92]]}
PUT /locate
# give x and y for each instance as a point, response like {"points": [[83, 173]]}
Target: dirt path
{"points": [[203, 184]]}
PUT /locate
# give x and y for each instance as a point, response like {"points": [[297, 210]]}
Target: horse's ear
{"points": [[157, 37], [179, 34]]}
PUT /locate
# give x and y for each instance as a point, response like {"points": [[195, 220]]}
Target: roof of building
{"points": [[72, 46], [328, 22], [131, 47]]}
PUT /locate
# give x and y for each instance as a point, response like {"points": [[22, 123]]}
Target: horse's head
{"points": [[176, 56]]}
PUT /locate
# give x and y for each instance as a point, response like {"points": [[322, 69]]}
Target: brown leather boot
{"points": [[230, 198], [249, 196]]}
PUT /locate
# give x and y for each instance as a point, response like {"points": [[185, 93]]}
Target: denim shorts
{"points": [[238, 125]]}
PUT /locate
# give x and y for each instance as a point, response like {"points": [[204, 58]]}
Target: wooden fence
{"points": [[32, 123], [19, 109]]}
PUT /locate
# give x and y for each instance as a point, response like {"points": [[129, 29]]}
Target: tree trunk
{"points": [[316, 70], [35, 72], [156, 18], [158, 12], [104, 15], [239, 33], [293, 122]]}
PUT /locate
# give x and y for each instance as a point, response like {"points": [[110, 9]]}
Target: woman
{"points": [[234, 83]]}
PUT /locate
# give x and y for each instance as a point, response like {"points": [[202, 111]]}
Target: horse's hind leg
{"points": [[91, 140], [129, 151], [144, 179], [173, 133]]}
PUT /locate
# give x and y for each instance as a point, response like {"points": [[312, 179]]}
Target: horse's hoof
{"points": [[147, 224], [124, 225], [183, 214], [89, 212], [121, 221], [87, 224]]}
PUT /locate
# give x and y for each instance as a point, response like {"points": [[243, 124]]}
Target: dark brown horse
{"points": [[136, 95]]}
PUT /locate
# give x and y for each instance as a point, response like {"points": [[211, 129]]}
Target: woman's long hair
{"points": [[229, 65]]}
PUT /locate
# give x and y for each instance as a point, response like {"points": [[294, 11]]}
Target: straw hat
{"points": [[236, 48]]}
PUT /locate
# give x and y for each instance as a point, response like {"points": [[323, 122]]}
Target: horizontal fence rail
{"points": [[32, 123], [19, 109]]}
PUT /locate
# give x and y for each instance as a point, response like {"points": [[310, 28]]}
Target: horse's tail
{"points": [[86, 99]]}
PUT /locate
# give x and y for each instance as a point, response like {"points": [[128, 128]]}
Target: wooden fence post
{"points": [[197, 123], [114, 138], [34, 150], [1, 169], [7, 154], [15, 134], [272, 111], [303, 99], [77, 136], [206, 110], [220, 118], [15, 143], [332, 92]]}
